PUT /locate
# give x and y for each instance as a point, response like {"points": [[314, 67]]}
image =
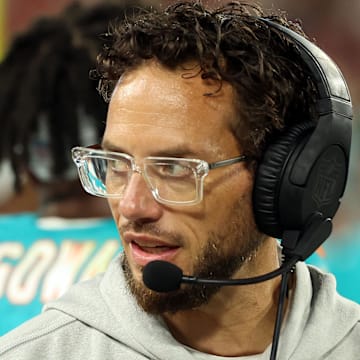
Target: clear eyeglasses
{"points": [[172, 181]]}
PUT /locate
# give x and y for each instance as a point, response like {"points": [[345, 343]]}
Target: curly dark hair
{"points": [[230, 43], [45, 77]]}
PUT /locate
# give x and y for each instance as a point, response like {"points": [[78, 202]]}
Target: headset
{"points": [[302, 174]]}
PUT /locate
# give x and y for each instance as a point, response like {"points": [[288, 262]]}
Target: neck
{"points": [[238, 320]]}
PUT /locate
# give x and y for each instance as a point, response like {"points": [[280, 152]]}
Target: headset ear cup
{"points": [[268, 179]]}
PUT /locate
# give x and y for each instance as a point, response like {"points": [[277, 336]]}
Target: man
{"points": [[196, 95]]}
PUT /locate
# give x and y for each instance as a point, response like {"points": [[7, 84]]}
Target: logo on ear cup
{"points": [[325, 186], [328, 180]]}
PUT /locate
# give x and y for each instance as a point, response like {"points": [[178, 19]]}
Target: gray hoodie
{"points": [[99, 319]]}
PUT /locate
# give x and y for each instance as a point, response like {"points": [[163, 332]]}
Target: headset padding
{"points": [[269, 178]]}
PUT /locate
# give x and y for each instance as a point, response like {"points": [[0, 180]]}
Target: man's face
{"points": [[158, 112]]}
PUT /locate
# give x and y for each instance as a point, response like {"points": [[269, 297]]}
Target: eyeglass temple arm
{"points": [[226, 162]]}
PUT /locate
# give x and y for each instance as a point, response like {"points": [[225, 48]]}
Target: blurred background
{"points": [[332, 24]]}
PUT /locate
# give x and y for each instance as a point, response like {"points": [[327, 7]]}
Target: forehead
{"points": [[157, 104]]}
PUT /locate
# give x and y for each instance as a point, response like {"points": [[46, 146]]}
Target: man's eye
{"points": [[174, 170], [118, 166]]}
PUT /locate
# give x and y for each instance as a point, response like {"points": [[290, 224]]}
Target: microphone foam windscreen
{"points": [[162, 276]]}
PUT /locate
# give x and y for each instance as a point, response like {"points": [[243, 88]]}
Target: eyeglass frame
{"points": [[80, 153]]}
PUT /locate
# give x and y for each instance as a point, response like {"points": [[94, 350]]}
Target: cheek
{"points": [[221, 198], [230, 209]]}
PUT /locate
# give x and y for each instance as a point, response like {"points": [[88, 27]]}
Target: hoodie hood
{"points": [[111, 309], [319, 323]]}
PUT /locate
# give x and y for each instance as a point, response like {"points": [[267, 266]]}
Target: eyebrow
{"points": [[175, 151], [108, 146]]}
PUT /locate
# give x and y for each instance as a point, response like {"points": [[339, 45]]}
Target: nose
{"points": [[137, 203]]}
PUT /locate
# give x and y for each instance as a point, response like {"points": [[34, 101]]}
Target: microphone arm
{"points": [[162, 276], [284, 268]]}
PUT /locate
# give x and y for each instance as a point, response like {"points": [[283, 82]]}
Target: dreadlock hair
{"points": [[45, 77], [230, 43]]}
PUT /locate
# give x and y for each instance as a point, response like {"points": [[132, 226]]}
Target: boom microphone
{"points": [[162, 276]]}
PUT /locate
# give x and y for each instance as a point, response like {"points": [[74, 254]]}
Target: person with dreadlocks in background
{"points": [[48, 104]]}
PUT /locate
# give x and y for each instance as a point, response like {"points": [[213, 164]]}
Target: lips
{"points": [[144, 249]]}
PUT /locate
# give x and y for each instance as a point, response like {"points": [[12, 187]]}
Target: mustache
{"points": [[152, 230]]}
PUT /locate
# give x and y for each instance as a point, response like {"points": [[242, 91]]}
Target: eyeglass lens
{"points": [[168, 179]]}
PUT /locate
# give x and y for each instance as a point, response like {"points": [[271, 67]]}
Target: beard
{"points": [[225, 252]]}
